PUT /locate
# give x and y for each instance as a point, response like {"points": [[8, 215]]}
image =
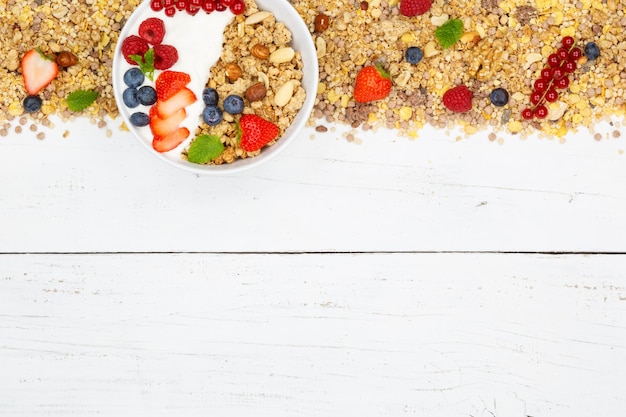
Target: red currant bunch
{"points": [[553, 77], [170, 7]]}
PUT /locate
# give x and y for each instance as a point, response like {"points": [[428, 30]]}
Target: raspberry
{"points": [[134, 45], [458, 99], [164, 56], [152, 30], [411, 8]]}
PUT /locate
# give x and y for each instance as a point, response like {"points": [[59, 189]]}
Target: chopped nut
{"points": [[260, 51], [282, 55], [321, 22], [233, 71], [66, 59], [256, 92], [257, 18]]}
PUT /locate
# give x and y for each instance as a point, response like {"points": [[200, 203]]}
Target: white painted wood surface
{"points": [[89, 193], [441, 335], [341, 279]]}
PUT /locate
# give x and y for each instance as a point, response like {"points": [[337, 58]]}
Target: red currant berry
{"points": [[547, 74], [569, 66], [575, 54], [181, 4], [156, 5], [220, 7], [535, 97], [238, 7], [552, 95], [567, 42], [170, 11], [541, 111], [553, 60], [562, 83], [558, 73], [208, 6], [196, 3], [191, 9], [562, 53], [169, 3], [541, 85], [227, 3], [527, 114]]}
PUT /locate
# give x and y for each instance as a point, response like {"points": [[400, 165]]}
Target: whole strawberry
{"points": [[414, 7], [458, 99], [255, 132], [372, 83]]}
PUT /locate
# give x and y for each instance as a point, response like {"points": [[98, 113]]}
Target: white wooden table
{"points": [[389, 277]]}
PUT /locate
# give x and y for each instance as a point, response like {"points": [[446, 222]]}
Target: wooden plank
{"points": [[90, 193], [442, 335]]}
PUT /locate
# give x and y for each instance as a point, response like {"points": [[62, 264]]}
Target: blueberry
{"points": [[233, 104], [133, 77], [139, 119], [413, 55], [212, 115], [130, 97], [499, 97], [592, 50], [147, 95], [210, 97], [32, 104]]}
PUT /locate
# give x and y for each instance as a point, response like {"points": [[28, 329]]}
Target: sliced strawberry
{"points": [[162, 127], [256, 132], [171, 140], [38, 70], [178, 101], [169, 83]]}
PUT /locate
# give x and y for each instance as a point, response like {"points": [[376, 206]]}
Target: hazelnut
{"points": [[233, 71], [321, 22], [66, 59], [256, 92], [260, 51]]}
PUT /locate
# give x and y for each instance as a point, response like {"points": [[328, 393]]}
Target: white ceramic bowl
{"points": [[302, 42]]}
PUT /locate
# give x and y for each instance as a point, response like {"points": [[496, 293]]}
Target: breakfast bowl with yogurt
{"points": [[215, 86]]}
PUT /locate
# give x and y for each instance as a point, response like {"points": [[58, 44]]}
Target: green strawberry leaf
{"points": [[146, 63], [204, 148], [449, 33], [81, 99]]}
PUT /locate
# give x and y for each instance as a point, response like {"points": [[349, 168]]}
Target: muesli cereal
{"points": [[258, 65], [503, 45]]}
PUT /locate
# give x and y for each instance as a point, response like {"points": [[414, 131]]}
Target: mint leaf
{"points": [[146, 63], [81, 99], [204, 148], [450, 32]]}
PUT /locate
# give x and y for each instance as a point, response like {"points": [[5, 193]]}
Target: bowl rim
{"points": [[285, 13]]}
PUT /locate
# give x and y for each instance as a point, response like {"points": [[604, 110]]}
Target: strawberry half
{"points": [[38, 70], [171, 140], [372, 83], [169, 83], [180, 100], [255, 132]]}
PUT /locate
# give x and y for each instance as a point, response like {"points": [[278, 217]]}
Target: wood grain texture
{"points": [[90, 193], [439, 335]]}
